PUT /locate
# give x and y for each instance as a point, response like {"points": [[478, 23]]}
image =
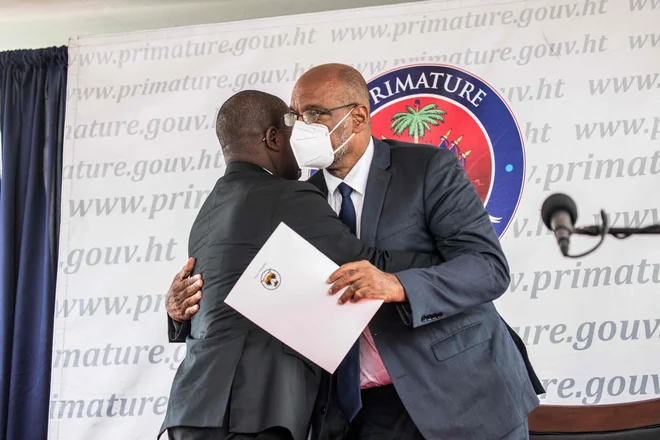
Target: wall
{"points": [[39, 23]]}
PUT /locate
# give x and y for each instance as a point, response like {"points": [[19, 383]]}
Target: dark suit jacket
{"points": [[234, 372], [450, 355]]}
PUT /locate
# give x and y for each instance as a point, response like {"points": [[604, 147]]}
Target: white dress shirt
{"points": [[372, 369], [356, 179]]}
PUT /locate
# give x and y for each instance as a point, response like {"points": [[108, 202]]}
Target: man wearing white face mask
{"points": [[311, 142], [437, 361]]}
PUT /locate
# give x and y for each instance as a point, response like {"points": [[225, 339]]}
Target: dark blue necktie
{"points": [[347, 212], [348, 372]]}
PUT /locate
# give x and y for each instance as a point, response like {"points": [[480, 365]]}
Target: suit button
{"points": [[323, 410]]}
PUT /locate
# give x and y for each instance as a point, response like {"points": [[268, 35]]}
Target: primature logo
{"points": [[450, 108]]}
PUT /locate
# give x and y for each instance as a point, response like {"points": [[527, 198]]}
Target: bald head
{"points": [[244, 118], [340, 94], [342, 80]]}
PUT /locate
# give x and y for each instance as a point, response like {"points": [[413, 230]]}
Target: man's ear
{"points": [[271, 139], [360, 118]]}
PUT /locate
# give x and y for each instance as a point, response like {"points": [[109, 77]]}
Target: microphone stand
{"points": [[619, 233], [604, 230]]}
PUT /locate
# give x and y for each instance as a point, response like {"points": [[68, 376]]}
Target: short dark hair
{"points": [[247, 114]]}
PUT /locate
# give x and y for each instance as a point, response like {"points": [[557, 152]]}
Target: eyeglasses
{"points": [[311, 116]]}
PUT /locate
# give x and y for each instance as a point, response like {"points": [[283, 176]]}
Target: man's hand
{"points": [[365, 281], [183, 297]]}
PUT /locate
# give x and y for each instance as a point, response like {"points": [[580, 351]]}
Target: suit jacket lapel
{"points": [[374, 197]]}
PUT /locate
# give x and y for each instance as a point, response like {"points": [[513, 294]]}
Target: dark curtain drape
{"points": [[32, 100]]}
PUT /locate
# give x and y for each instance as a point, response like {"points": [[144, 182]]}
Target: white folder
{"points": [[284, 292]]}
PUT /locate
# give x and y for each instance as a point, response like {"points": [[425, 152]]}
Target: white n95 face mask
{"points": [[311, 144]]}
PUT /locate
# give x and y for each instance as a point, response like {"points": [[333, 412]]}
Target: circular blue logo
{"points": [[450, 108]]}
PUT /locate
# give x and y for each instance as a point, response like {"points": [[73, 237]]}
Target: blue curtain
{"points": [[32, 100]]}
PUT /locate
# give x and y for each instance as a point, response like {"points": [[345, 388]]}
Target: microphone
{"points": [[559, 214]]}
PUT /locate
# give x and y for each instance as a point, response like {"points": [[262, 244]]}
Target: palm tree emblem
{"points": [[417, 120]]}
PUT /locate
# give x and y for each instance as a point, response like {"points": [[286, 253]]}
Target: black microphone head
{"points": [[558, 202]]}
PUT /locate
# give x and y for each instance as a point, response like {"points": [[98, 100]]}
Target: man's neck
{"points": [[260, 163], [349, 161], [340, 173]]}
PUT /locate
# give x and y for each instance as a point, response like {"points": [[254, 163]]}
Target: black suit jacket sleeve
{"points": [[304, 208], [177, 331], [475, 270]]}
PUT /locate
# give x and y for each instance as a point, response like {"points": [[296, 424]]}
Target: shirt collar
{"points": [[358, 175]]}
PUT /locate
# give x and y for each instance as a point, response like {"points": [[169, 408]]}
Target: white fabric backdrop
{"points": [[141, 155]]}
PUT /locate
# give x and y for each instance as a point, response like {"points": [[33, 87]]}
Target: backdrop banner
{"points": [[577, 81]]}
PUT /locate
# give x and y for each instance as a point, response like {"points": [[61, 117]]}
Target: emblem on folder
{"points": [[270, 279]]}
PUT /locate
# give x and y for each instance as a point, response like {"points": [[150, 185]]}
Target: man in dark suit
{"points": [[438, 362], [237, 381]]}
